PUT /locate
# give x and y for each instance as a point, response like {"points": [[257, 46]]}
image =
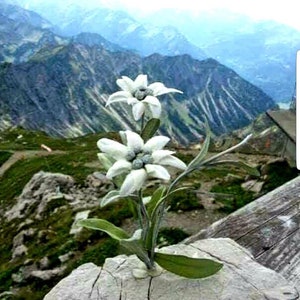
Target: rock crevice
{"points": [[240, 278]]}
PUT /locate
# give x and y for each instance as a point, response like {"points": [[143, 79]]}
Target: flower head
{"points": [[138, 160], [140, 95]]}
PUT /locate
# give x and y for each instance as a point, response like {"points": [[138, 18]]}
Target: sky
{"points": [[282, 11]]}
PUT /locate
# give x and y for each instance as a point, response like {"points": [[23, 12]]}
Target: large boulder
{"points": [[240, 278], [43, 188]]}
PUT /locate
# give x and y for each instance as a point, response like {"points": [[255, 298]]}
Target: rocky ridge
{"points": [[63, 91]]}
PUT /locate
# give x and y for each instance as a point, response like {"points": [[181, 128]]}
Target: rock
{"points": [[19, 249], [17, 277], [241, 278], [46, 275], [45, 235], [267, 167], [51, 193], [25, 224], [253, 185], [38, 192], [44, 263], [65, 257], [31, 273], [97, 180], [44, 183], [24, 273]]}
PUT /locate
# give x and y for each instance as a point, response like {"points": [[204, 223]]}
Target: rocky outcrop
{"points": [[241, 278], [38, 193], [49, 195], [46, 192]]}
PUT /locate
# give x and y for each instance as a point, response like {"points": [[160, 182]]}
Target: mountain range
{"points": [[261, 51], [60, 84], [63, 91]]}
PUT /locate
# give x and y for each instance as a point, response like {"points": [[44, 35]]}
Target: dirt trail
{"points": [[24, 155]]}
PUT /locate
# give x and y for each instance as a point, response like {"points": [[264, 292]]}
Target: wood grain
{"points": [[269, 228]]}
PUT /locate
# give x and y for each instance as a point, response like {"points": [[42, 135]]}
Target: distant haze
{"points": [[285, 12]]}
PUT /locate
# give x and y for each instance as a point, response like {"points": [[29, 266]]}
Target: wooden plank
{"points": [[286, 120], [284, 258], [269, 227]]}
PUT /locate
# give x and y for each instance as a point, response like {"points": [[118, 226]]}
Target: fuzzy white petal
{"points": [[156, 87], [159, 88], [156, 111], [134, 141], [157, 171], [173, 162], [168, 90], [105, 160], [119, 167], [126, 84], [152, 101], [132, 101], [112, 148], [118, 97], [156, 143], [160, 155], [137, 110], [141, 81], [133, 182], [154, 105]]}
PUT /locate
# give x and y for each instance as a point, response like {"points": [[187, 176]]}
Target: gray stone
{"points": [[44, 263], [65, 257], [51, 193], [253, 186], [241, 278], [36, 194], [19, 251], [46, 275], [97, 180]]}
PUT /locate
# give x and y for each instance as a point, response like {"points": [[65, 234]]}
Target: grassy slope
{"points": [[91, 246]]}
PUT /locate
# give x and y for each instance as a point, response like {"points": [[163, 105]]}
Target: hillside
{"points": [[261, 51], [40, 204], [63, 90]]}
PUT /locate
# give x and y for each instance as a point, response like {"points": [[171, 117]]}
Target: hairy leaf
{"points": [[134, 246], [150, 129], [110, 197], [186, 266], [105, 226], [250, 170], [156, 197], [202, 154]]}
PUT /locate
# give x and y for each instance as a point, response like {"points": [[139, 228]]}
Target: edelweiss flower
{"points": [[138, 159], [140, 95]]}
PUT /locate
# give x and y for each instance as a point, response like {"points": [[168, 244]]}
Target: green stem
{"points": [[142, 123], [143, 214], [161, 210]]}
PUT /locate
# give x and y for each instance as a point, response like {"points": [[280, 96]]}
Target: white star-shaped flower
{"points": [[138, 159], [140, 95]]}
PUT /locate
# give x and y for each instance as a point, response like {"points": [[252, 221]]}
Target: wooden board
{"points": [[285, 120], [269, 227]]}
